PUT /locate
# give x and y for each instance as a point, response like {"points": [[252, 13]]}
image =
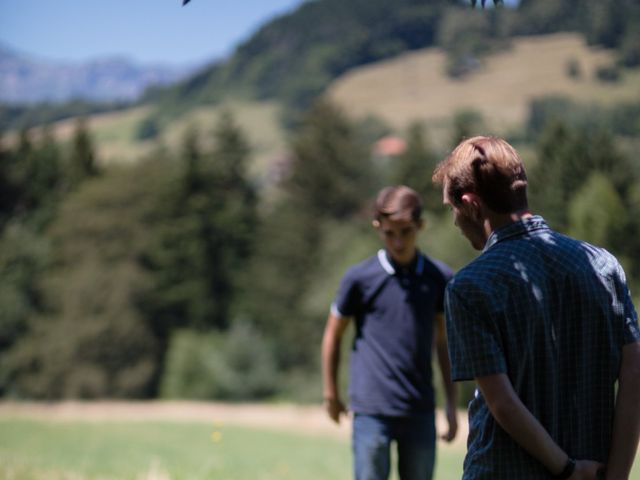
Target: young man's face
{"points": [[399, 238], [469, 225]]}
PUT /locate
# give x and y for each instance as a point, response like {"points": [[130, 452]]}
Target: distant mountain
{"points": [[24, 79]]}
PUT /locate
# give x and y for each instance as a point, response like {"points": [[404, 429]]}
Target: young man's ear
{"points": [[376, 224], [472, 203]]}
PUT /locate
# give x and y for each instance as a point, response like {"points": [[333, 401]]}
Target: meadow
{"points": [[39, 449]]}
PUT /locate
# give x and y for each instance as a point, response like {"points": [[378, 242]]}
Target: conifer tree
{"points": [[330, 172], [82, 162], [207, 234], [329, 181], [414, 167]]}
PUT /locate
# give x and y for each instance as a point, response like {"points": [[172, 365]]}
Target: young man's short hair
{"points": [[488, 167], [398, 203]]}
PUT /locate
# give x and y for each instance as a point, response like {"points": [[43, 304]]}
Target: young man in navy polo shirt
{"points": [[396, 300]]}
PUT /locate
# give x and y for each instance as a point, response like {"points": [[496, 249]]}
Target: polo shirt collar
{"points": [[387, 265], [515, 229]]}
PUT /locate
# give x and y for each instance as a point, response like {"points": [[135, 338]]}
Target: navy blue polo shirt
{"points": [[393, 308]]}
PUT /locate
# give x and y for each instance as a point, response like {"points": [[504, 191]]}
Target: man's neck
{"points": [[494, 221], [403, 263]]}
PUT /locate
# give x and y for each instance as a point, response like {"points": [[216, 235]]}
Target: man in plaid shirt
{"points": [[545, 325]]}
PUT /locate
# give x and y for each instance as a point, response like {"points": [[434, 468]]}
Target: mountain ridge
{"points": [[27, 79]]}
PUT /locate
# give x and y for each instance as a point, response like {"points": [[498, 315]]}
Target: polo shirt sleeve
{"points": [[474, 338], [347, 299]]}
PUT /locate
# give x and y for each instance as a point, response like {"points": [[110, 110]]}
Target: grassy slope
{"points": [[413, 86], [114, 133]]}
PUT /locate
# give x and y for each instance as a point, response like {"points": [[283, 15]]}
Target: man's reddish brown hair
{"points": [[488, 167]]}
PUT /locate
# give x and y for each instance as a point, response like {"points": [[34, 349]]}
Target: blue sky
{"points": [[143, 30]]}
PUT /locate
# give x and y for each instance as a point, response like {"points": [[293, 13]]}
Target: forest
{"points": [[173, 278]]}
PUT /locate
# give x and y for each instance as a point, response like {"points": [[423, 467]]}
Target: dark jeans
{"points": [[414, 435]]}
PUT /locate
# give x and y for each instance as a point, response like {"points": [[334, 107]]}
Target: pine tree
{"points": [[415, 166], [566, 158], [208, 234], [82, 162], [329, 181], [330, 173]]}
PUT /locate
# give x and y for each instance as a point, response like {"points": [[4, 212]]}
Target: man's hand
{"points": [[452, 420], [587, 470], [335, 408]]}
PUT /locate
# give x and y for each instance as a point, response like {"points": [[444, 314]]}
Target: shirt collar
{"points": [[515, 229], [388, 266]]}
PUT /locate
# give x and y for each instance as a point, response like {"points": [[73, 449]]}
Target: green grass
{"points": [[39, 450], [31, 450], [414, 85]]}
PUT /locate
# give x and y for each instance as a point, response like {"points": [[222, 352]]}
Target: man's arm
{"points": [[525, 429], [450, 390], [626, 423], [331, 342]]}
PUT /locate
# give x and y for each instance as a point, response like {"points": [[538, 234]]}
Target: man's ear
{"points": [[376, 224], [472, 203]]}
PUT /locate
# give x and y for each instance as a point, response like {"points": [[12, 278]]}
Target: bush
{"points": [[630, 49], [608, 73], [238, 365], [148, 129], [573, 69]]}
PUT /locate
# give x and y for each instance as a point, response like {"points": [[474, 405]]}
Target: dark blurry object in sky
{"points": [[473, 2]]}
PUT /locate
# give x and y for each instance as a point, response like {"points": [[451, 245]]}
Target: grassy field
{"points": [[114, 133], [414, 86], [34, 450], [170, 450]]}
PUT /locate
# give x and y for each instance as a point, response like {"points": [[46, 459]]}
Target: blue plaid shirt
{"points": [[552, 313]]}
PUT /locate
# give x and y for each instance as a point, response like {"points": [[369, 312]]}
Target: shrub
{"points": [[237, 365], [573, 68], [608, 73]]}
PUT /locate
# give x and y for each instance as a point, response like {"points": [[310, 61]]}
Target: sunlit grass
{"points": [[92, 450], [167, 450], [414, 85]]}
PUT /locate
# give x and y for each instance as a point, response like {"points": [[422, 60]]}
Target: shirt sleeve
{"points": [[347, 299], [631, 331], [474, 338], [446, 273]]}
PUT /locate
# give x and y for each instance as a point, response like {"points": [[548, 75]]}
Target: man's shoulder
{"points": [[580, 255], [366, 268], [478, 274]]}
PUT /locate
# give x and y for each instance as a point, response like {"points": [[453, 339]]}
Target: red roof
{"points": [[389, 146]]}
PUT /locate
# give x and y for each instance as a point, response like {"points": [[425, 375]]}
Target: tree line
{"points": [[180, 277]]}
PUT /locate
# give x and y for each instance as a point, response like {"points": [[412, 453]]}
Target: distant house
{"points": [[389, 146]]}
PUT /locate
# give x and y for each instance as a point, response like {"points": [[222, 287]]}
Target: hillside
{"points": [[413, 86], [294, 57], [114, 133]]}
